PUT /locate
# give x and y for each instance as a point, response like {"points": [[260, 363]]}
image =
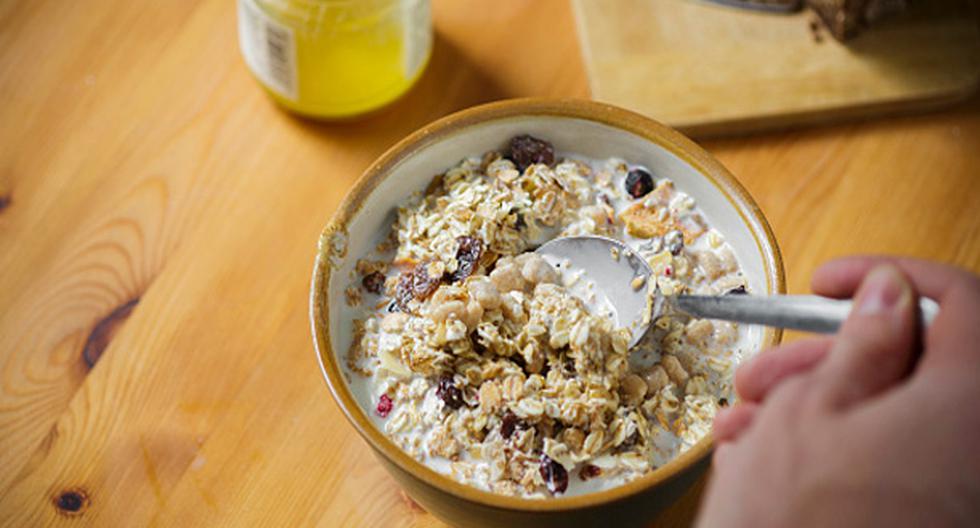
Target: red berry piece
{"points": [[384, 406], [374, 282], [589, 471]]}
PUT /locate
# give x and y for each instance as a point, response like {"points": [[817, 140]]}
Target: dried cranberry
{"points": [[384, 406], [589, 471], [554, 475], [508, 424], [737, 291], [525, 151], [449, 393], [639, 183], [468, 254], [374, 282], [415, 284]]}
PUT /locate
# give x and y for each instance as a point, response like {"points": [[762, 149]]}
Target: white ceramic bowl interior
{"points": [[570, 136]]}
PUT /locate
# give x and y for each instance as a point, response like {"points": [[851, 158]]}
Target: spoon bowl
{"points": [[618, 279]]}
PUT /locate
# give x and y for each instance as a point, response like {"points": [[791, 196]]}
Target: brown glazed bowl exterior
{"points": [[632, 504]]}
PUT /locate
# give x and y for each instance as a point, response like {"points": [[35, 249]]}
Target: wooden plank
{"points": [[711, 70]]}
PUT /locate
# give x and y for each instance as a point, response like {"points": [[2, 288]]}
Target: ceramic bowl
{"points": [[585, 128]]}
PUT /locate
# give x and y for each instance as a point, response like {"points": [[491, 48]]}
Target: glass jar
{"points": [[335, 58]]}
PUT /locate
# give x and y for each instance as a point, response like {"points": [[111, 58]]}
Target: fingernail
{"points": [[883, 290]]}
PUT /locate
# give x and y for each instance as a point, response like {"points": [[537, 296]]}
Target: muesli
{"points": [[486, 367]]}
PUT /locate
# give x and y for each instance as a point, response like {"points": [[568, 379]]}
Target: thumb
{"points": [[876, 345]]}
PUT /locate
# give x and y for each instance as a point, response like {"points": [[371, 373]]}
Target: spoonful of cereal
{"points": [[612, 279]]}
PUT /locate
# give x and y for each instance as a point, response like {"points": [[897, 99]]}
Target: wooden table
{"points": [[157, 228]]}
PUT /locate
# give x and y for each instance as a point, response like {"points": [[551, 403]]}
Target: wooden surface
{"points": [[712, 70], [157, 233]]}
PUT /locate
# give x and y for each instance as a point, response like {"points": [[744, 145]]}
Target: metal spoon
{"points": [[614, 268]]}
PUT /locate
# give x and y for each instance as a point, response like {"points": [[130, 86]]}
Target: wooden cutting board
{"points": [[713, 70]]}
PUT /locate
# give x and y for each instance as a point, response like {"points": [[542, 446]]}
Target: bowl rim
{"points": [[332, 247]]}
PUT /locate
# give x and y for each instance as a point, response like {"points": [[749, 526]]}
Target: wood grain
{"points": [[158, 217], [711, 70]]}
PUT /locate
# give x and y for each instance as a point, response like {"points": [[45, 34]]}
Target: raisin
{"points": [[468, 254], [569, 366], [511, 423], [449, 393], [554, 475], [374, 282], [628, 443], [674, 242], [519, 222], [525, 151], [639, 183], [737, 291], [415, 284], [384, 406], [589, 471], [478, 346], [723, 402]]}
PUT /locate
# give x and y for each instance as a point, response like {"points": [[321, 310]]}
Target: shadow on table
{"points": [[451, 81]]}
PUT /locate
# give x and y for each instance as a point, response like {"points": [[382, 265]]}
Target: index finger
{"points": [[841, 277], [952, 335]]}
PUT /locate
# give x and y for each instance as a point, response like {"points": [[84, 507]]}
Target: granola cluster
{"points": [[486, 367]]}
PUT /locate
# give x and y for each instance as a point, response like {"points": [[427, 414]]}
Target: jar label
{"points": [[269, 49]]}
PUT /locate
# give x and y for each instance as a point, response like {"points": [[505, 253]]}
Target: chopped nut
{"points": [[656, 379], [674, 370], [573, 438], [644, 222], [490, 396], [634, 389]]}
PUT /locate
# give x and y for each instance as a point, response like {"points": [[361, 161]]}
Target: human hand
{"points": [[878, 425]]}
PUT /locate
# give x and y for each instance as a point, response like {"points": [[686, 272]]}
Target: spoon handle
{"points": [[809, 313]]}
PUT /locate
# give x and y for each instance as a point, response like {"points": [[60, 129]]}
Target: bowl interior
{"points": [[411, 166]]}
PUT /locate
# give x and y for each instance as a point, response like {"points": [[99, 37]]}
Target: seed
{"points": [[374, 282], [526, 150], [639, 183], [554, 475], [384, 406], [738, 291], [674, 242], [449, 393]]}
